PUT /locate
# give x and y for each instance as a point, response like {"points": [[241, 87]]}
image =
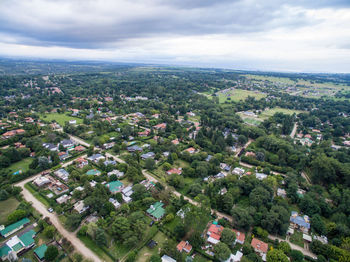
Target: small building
{"points": [[67, 143], [115, 186], [166, 258], [115, 203], [177, 171], [300, 222], [260, 176], [41, 181], [127, 191], [81, 162], [260, 247], [108, 145], [184, 246], [110, 162], [156, 211], [238, 171], [62, 174], [96, 158], [10, 229], [73, 122], [116, 172], [39, 252], [79, 148], [240, 236], [63, 199], [148, 155], [235, 258], [281, 192], [191, 150], [134, 148], [214, 233], [80, 207], [307, 238], [63, 156]]}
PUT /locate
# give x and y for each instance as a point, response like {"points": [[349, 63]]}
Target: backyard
{"points": [[60, 118], [20, 165], [6, 208]]}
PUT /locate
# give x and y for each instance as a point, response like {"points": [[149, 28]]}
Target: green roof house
{"points": [[93, 172], [28, 238], [4, 251], [14, 227], [115, 186], [156, 211], [40, 252]]}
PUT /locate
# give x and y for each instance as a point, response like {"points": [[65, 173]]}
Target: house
{"points": [[166, 258], [108, 145], [62, 174], [80, 207], [39, 252], [41, 181], [81, 162], [127, 191], [62, 199], [208, 158], [299, 222], [250, 154], [144, 133], [13, 133], [156, 211], [214, 233], [10, 229], [307, 238], [184, 246], [175, 142], [220, 175], [116, 172], [63, 156], [281, 192], [73, 122], [177, 171], [238, 171], [79, 148], [191, 150], [240, 237], [225, 167], [67, 143], [115, 186], [148, 155], [161, 126], [93, 172], [260, 247], [235, 258], [109, 162], [17, 245], [115, 203], [134, 148], [96, 158], [260, 176], [50, 146]]}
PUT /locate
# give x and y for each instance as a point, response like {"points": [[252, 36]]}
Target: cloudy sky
{"points": [[280, 35]]}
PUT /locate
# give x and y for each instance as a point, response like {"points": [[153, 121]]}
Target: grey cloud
{"points": [[82, 24]]}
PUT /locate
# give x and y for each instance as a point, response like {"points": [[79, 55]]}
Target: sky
{"points": [[270, 35]]}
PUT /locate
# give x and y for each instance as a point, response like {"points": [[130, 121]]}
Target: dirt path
{"points": [[78, 245], [293, 246], [292, 134]]}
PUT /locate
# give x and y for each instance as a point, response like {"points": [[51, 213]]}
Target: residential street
{"points": [[78, 245]]}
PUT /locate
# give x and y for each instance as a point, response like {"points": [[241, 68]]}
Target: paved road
{"points": [[78, 245], [296, 247]]}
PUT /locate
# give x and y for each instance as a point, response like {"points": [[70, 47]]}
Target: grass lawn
{"points": [[96, 249], [239, 94], [270, 112], [60, 118], [145, 253], [297, 238], [37, 195], [7, 207], [20, 165]]}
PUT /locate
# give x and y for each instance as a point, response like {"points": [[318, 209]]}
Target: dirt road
{"points": [[295, 247], [292, 134]]}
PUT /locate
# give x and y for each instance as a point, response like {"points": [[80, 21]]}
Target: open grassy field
{"points": [[270, 112], [239, 94], [145, 253], [20, 165], [7, 207], [60, 118]]}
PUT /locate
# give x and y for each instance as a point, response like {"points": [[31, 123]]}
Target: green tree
{"points": [[155, 258], [285, 247], [150, 164], [51, 253], [296, 256], [49, 231], [16, 215], [221, 251], [276, 255], [228, 236], [100, 237]]}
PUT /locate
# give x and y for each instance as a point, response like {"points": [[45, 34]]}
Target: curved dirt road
{"points": [[78, 245]]}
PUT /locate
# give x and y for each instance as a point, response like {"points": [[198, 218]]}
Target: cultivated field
{"points": [[238, 94]]}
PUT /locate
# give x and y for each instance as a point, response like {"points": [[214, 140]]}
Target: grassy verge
{"points": [[96, 249], [36, 194], [297, 238]]}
